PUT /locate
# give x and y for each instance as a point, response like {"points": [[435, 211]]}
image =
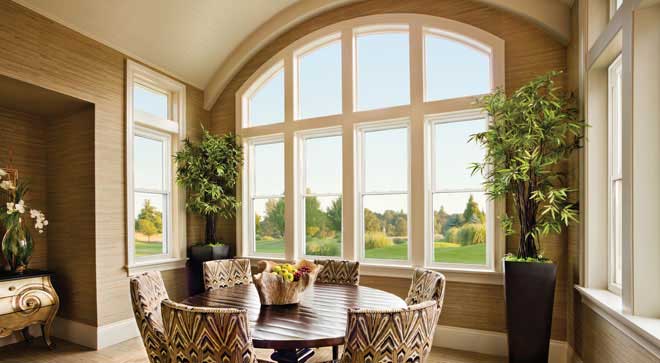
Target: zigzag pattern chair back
{"points": [[147, 293], [226, 273], [200, 335], [426, 285], [339, 272], [397, 335]]}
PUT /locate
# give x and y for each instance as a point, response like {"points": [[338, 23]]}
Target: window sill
{"points": [[644, 331], [156, 265]]}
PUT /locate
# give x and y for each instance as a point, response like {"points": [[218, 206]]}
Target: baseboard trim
{"points": [[95, 337], [488, 342]]}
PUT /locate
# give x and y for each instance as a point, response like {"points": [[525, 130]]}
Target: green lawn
{"points": [[148, 249], [444, 251]]}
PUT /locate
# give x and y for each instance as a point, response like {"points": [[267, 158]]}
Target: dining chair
{"points": [[147, 293], [226, 273], [201, 334], [393, 335], [426, 285], [341, 272]]}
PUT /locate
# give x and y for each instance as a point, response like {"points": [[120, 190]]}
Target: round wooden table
{"points": [[292, 330]]}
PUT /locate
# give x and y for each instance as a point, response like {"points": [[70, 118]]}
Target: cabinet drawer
{"points": [[27, 303], [12, 287]]}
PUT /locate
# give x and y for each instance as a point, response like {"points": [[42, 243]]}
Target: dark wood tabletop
{"points": [[318, 321]]}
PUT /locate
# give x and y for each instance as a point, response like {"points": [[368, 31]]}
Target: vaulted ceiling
{"points": [[204, 42]]}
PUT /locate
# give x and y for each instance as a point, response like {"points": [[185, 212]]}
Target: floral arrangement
{"points": [[284, 284], [17, 243]]}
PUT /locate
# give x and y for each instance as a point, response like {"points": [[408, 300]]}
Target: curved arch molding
{"points": [[551, 15]]}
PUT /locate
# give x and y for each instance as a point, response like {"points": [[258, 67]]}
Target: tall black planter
{"points": [[530, 294], [198, 255]]}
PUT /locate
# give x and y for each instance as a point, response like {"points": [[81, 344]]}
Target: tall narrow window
{"points": [[615, 177], [322, 182], [384, 192], [267, 196], [156, 211], [319, 81], [459, 203], [383, 72]]}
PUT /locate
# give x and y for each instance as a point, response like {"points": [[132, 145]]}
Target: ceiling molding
{"points": [[553, 16]]}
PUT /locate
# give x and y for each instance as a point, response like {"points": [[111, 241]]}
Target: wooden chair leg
{"points": [[335, 352]]}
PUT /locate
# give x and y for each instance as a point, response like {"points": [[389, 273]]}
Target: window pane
{"points": [[149, 101], [386, 226], [617, 230], [268, 172], [454, 69], [323, 165], [617, 132], [459, 228], [386, 160], [269, 225], [454, 154], [383, 75], [148, 163], [266, 104], [150, 224], [323, 225], [319, 92]]}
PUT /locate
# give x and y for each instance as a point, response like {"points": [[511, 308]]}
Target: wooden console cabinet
{"points": [[27, 299]]}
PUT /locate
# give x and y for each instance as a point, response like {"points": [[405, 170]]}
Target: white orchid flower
{"points": [[10, 208], [3, 173], [7, 185], [20, 207]]}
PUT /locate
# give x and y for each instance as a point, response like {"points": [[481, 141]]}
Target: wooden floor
{"points": [[132, 351]]}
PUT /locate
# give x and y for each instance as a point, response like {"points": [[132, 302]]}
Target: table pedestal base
{"points": [[292, 356]]}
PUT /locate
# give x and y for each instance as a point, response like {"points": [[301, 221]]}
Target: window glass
{"points": [[459, 228], [266, 104], [454, 69], [150, 102], [319, 72], [386, 226], [268, 172], [269, 220], [386, 160], [150, 224], [322, 196], [383, 72], [454, 154], [268, 198], [148, 163]]}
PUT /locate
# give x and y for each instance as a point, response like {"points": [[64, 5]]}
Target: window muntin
{"points": [[615, 171], [265, 104], [382, 69], [319, 89], [267, 204], [454, 68], [322, 194], [460, 209], [383, 194]]}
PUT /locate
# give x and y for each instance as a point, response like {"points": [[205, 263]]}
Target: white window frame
{"points": [[491, 214], [171, 132], [350, 120], [302, 193], [361, 131], [250, 196], [614, 73]]}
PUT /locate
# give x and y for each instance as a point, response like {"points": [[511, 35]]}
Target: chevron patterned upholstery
{"points": [[207, 335], [147, 293], [426, 285], [397, 335], [339, 272], [226, 273]]}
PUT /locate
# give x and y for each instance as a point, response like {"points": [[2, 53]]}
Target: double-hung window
{"points": [[155, 206], [615, 172]]}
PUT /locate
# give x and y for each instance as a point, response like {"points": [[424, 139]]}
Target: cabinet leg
{"points": [[45, 332], [26, 335]]}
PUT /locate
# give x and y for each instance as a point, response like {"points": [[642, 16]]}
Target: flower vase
{"points": [[17, 245]]}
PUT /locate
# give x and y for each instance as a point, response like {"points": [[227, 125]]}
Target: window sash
{"points": [[615, 171]]}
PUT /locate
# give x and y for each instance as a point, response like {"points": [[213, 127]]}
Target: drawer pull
{"points": [[12, 288]]}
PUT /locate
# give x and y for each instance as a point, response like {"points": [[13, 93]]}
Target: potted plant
{"points": [[531, 134], [17, 221], [209, 172]]}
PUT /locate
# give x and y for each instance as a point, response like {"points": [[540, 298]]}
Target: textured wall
{"points": [[529, 51]]}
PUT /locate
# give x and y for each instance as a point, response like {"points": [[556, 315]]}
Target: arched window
{"points": [[363, 127]]}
